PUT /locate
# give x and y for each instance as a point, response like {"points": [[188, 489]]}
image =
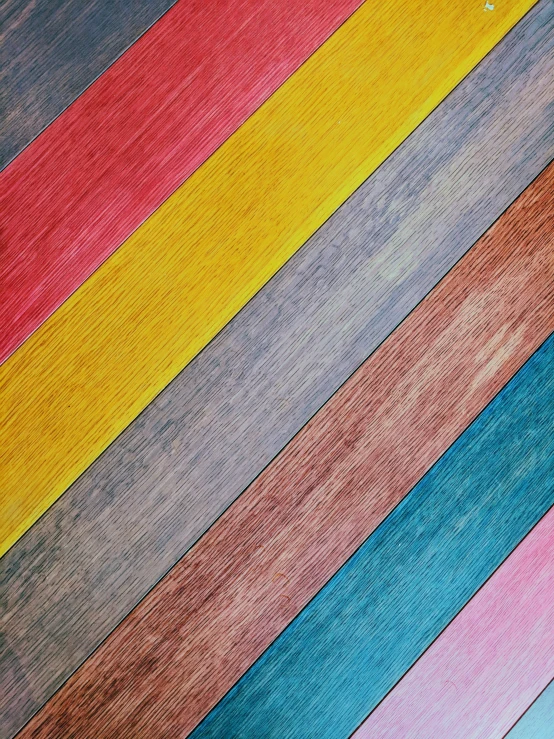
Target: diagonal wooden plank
{"points": [[492, 661], [538, 720], [268, 555], [100, 359], [52, 51], [135, 135], [353, 642], [128, 519]]}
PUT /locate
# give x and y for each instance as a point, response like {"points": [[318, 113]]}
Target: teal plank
{"points": [[361, 633]]}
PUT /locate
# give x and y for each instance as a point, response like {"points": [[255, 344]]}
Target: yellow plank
{"points": [[104, 355]]}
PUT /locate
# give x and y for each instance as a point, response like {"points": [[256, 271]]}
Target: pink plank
{"points": [[93, 176], [491, 662]]}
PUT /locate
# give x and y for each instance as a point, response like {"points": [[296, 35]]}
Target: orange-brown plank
{"points": [[188, 642]]}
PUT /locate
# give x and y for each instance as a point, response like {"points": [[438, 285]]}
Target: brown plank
{"points": [[219, 608]]}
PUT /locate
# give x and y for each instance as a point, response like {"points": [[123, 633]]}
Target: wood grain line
{"points": [[51, 52], [134, 137], [221, 606], [89, 370], [147, 499], [538, 720], [491, 662]]}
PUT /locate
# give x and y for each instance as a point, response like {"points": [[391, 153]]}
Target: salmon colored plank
{"points": [[203, 626], [111, 347], [491, 662], [82, 187]]}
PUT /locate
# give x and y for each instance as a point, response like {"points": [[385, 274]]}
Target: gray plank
{"points": [[52, 50], [75, 574]]}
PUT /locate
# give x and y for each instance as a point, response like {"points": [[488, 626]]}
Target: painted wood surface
{"points": [[361, 633], [127, 520], [81, 378], [135, 135], [263, 560], [491, 662], [52, 51], [538, 721]]}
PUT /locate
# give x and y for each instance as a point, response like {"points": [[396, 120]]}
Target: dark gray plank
{"points": [[52, 50], [145, 501]]}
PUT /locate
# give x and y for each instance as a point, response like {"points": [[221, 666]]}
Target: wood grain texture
{"points": [[538, 721], [186, 644], [491, 662], [52, 51], [135, 135], [144, 502], [398, 592], [89, 370]]}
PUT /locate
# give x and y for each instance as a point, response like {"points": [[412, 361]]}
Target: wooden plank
{"points": [[491, 662], [51, 52], [173, 285], [126, 521], [538, 720], [137, 133], [353, 642], [219, 608]]}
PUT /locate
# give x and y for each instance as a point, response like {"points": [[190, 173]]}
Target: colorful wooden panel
{"points": [[492, 661], [124, 523], [52, 51], [398, 592], [136, 134], [263, 560], [538, 721], [147, 311]]}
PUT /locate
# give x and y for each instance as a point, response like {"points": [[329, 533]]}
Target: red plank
{"points": [[81, 188]]}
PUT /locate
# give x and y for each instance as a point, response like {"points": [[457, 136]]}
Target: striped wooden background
{"points": [[277, 369]]}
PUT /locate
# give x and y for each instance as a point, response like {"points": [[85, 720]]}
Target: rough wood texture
{"points": [[491, 662], [218, 609], [539, 719], [361, 633], [51, 51], [128, 519], [135, 135], [89, 370]]}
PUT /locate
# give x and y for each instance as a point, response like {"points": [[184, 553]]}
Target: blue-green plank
{"points": [[538, 721]]}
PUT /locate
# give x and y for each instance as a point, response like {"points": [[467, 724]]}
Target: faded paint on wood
{"points": [[219, 608], [129, 518], [150, 308]]}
